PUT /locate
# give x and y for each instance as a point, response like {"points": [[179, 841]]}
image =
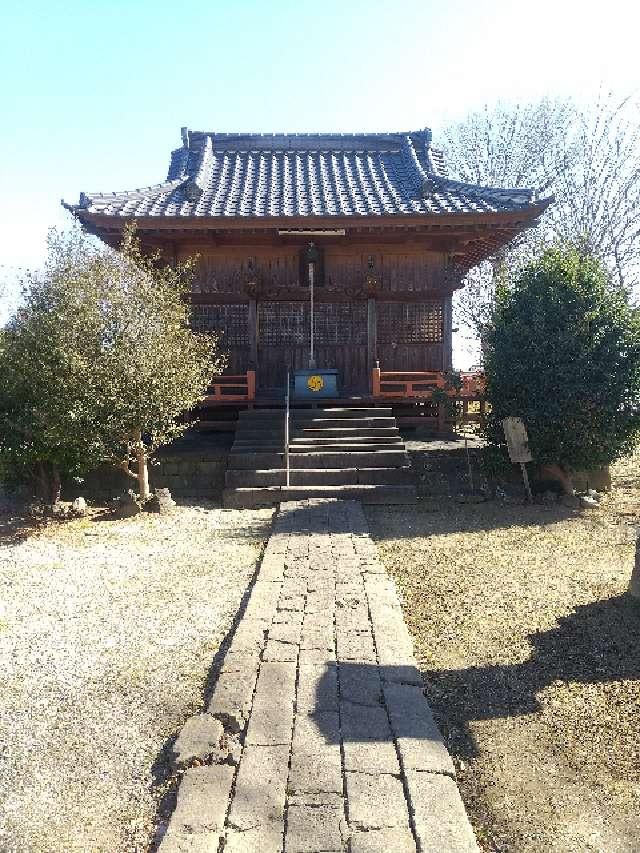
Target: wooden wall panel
{"points": [[226, 269], [230, 324], [411, 357]]}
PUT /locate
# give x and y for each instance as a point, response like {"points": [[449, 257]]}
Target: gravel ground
{"points": [[531, 655], [107, 634]]}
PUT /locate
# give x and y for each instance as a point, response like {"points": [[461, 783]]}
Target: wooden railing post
{"points": [[251, 384], [375, 381]]}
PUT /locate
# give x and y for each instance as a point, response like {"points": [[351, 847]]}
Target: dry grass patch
{"points": [[531, 654]]}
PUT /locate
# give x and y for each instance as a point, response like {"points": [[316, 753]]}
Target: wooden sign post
{"points": [[518, 446]]}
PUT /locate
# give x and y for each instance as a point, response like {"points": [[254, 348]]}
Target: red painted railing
{"points": [[240, 387], [422, 384]]}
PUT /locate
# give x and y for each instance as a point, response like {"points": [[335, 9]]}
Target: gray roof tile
{"points": [[280, 175]]}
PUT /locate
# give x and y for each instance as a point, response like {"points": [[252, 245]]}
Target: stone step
{"points": [[316, 423], [247, 498], [335, 413], [316, 431], [346, 446], [343, 440], [243, 459], [318, 477]]}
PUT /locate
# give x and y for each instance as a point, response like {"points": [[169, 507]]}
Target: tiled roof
{"points": [[280, 175]]}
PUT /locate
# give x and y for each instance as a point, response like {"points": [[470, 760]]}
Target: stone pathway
{"points": [[324, 739]]}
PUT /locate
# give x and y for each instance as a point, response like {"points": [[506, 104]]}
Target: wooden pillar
{"points": [[447, 349], [252, 327], [372, 338]]}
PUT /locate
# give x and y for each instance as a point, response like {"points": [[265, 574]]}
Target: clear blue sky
{"points": [[94, 92]]}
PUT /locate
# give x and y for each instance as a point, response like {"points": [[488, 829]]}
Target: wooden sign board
{"points": [[517, 440]]}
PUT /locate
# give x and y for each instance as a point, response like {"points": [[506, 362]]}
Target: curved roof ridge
{"points": [[367, 174]]}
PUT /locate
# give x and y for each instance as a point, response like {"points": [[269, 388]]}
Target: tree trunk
{"points": [[143, 470], [634, 586], [55, 486]]}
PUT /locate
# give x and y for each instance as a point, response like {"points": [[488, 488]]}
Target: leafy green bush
{"points": [[98, 363], [563, 353]]}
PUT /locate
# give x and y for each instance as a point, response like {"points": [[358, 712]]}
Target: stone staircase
{"points": [[345, 453]]}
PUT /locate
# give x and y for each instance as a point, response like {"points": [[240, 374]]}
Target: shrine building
{"points": [[371, 218]]}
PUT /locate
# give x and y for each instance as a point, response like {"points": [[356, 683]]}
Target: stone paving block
{"points": [[314, 828], [321, 581], [393, 650], [317, 638], [187, 842], [272, 570], [203, 798], [318, 621], [277, 651], [241, 661], [352, 617], [396, 840], [201, 736], [249, 635], [360, 683], [320, 602], [313, 732], [364, 722], [376, 801], [420, 743], [402, 672], [317, 688], [232, 698], [292, 587], [316, 772], [271, 720], [356, 646], [439, 815], [291, 602], [286, 632], [316, 657], [263, 600], [371, 756], [259, 795], [266, 839], [288, 617]]}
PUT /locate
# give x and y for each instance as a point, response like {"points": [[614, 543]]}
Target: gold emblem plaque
{"points": [[315, 383]]}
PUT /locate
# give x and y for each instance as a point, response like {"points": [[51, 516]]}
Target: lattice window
{"points": [[283, 323], [341, 323], [410, 323], [335, 323], [229, 321]]}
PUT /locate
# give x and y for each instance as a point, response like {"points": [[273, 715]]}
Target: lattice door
{"points": [[340, 340]]}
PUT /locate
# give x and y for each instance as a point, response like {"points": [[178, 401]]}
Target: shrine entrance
{"points": [[283, 330]]}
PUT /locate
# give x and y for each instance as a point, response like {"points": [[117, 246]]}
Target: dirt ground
{"points": [[530, 649], [108, 630]]}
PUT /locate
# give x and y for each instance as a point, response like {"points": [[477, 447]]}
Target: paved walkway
{"points": [[328, 743]]}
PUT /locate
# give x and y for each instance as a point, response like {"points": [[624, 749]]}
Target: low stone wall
{"points": [[193, 467]]}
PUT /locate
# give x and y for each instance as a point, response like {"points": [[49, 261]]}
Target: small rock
{"points": [[127, 505], [595, 495], [59, 511], [161, 502], [202, 738], [79, 507], [587, 502]]}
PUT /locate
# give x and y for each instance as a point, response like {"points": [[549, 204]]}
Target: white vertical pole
{"points": [[286, 432], [312, 361]]}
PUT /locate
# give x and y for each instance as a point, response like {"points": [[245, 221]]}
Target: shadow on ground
{"points": [[599, 642], [442, 516]]}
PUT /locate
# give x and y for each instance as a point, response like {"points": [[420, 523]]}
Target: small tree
{"points": [[99, 362], [563, 353]]}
